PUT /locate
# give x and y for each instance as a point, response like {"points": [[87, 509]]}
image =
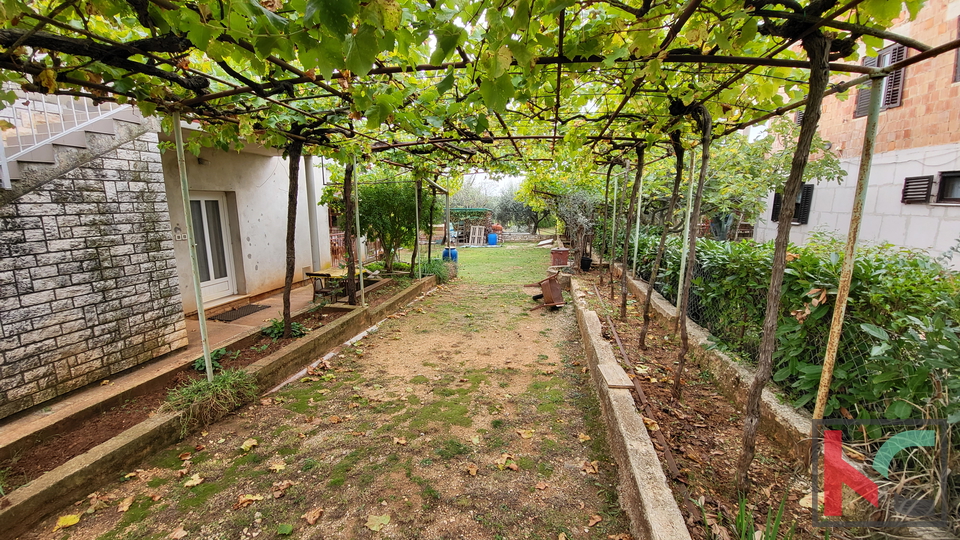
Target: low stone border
{"points": [[85, 473], [644, 493], [787, 426]]}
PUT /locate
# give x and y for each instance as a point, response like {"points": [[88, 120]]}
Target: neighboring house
{"points": [[913, 198], [95, 272]]}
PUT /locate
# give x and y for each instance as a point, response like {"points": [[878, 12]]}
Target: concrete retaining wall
{"points": [[643, 489], [85, 473]]}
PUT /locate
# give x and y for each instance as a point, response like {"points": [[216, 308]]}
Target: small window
{"points": [[801, 209], [892, 90], [916, 189], [949, 187]]}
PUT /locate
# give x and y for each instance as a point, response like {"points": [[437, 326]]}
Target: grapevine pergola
{"points": [[451, 85]]}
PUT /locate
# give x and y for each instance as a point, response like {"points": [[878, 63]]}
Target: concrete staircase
{"points": [[45, 136]]}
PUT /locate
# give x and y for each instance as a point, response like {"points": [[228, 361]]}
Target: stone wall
{"points": [[88, 279]]}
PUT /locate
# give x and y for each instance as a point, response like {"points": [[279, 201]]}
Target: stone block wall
{"points": [[88, 279]]}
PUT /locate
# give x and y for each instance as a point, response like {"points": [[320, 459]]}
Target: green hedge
{"points": [[899, 354]]}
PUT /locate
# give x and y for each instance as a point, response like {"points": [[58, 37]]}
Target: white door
{"points": [[214, 258]]}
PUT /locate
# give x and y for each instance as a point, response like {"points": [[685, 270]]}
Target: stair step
{"points": [[105, 126], [40, 154]]}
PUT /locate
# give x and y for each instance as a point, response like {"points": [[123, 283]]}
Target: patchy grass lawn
{"points": [[464, 416]]}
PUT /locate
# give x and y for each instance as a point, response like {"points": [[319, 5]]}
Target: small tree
{"points": [[388, 214], [578, 211]]}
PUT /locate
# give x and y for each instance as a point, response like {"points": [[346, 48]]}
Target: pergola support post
{"points": [[849, 253], [192, 240]]}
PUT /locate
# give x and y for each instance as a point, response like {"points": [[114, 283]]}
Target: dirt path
{"points": [[465, 416]]}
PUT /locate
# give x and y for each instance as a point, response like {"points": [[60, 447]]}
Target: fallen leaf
{"points": [[542, 485], [178, 534], [182, 472], [651, 424], [104, 382], [313, 515], [591, 467], [67, 521], [399, 440], [155, 497], [130, 475], [525, 433], [583, 437], [807, 500], [125, 504], [375, 523], [184, 456], [334, 419], [284, 529], [277, 466], [194, 480], [562, 536], [357, 433], [248, 444], [475, 439], [280, 488], [266, 401], [246, 500], [506, 461], [199, 447], [472, 469], [594, 519]]}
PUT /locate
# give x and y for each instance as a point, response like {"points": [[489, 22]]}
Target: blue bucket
{"points": [[450, 254], [492, 239]]}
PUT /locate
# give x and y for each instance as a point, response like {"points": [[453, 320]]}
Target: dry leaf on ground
{"points": [[246, 500], [194, 480], [399, 440], [525, 433], [178, 534], [375, 523], [125, 504], [591, 467], [277, 466], [67, 521], [248, 444], [280, 488], [313, 515], [583, 437], [542, 485], [594, 519], [472, 469]]}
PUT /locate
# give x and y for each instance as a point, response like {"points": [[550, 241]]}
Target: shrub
{"points": [[440, 269], [200, 365], [275, 329], [900, 322], [203, 402]]}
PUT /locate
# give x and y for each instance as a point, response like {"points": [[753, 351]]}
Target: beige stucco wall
{"points": [[256, 187]]}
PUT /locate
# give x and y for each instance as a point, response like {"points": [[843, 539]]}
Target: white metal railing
{"points": [[38, 119]]}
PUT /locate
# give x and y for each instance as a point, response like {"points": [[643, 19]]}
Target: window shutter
{"points": [[806, 200], [798, 119], [956, 58], [863, 93], [893, 93], [777, 203], [916, 189]]}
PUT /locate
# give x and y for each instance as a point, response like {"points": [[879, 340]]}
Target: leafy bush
{"points": [[275, 330], [200, 365], [899, 341], [438, 268], [203, 402]]}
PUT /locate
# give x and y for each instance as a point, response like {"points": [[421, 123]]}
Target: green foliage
{"points": [[275, 329], [898, 353], [203, 402], [745, 528], [200, 365], [441, 269]]}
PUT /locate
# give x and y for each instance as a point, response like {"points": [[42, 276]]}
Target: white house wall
{"points": [[256, 185], [934, 227]]}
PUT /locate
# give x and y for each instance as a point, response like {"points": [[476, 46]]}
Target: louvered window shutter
{"points": [[798, 119], [803, 207], [893, 93], [863, 93], [777, 203], [956, 60], [916, 189]]}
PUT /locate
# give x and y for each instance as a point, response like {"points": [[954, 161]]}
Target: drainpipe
{"points": [[192, 241], [356, 212], [312, 212], [846, 271], [4, 169]]}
